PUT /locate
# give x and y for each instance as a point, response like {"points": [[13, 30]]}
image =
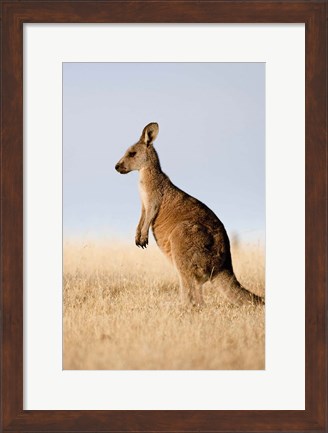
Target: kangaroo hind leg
{"points": [[188, 258], [190, 291]]}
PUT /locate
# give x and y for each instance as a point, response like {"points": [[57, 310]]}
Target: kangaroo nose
{"points": [[117, 166]]}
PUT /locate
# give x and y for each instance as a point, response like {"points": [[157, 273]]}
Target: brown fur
{"points": [[186, 230]]}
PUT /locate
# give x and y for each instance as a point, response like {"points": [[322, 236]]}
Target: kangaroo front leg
{"points": [[146, 219], [139, 227]]}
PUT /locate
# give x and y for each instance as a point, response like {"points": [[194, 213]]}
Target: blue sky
{"points": [[211, 141]]}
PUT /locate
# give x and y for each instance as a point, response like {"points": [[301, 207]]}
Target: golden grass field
{"points": [[122, 311]]}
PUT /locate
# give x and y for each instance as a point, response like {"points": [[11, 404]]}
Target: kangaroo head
{"points": [[140, 154]]}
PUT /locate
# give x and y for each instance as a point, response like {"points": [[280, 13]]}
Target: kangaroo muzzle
{"points": [[120, 168]]}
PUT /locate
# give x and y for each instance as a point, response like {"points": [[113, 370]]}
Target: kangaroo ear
{"points": [[149, 133]]}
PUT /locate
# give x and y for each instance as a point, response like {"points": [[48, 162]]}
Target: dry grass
{"points": [[122, 311]]}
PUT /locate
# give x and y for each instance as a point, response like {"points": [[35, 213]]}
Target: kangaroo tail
{"points": [[235, 293]]}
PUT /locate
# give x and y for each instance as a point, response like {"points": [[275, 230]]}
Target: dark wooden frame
{"points": [[14, 15]]}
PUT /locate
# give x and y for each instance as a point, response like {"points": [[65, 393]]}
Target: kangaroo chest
{"points": [[147, 190], [152, 199], [145, 195]]}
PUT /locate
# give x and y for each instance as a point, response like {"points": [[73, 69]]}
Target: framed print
{"points": [[83, 282], [134, 278], [228, 99]]}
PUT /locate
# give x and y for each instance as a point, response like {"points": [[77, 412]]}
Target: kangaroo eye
{"points": [[132, 154]]}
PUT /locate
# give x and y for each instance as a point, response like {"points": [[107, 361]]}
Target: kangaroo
{"points": [[185, 229]]}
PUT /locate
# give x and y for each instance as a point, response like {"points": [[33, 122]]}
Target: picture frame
{"points": [[14, 15]]}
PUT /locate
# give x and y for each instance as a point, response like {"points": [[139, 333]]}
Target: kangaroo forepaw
{"points": [[142, 241]]}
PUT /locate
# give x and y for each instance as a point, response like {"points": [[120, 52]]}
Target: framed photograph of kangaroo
{"points": [[180, 296], [173, 298]]}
